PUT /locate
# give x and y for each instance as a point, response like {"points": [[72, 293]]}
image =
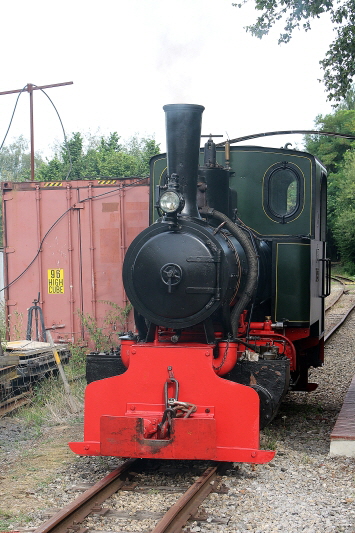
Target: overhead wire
{"points": [[61, 123], [12, 116], [138, 180], [58, 115]]}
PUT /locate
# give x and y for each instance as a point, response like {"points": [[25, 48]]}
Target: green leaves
{"points": [[105, 157], [338, 155], [102, 157], [15, 161], [339, 62], [344, 233], [331, 150]]}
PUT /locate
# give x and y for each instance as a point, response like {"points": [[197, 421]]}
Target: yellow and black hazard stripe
{"points": [[106, 182], [53, 184]]}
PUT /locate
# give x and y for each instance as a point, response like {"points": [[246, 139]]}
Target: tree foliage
{"points": [[339, 62], [331, 150], [104, 157], [80, 157], [15, 161], [338, 155], [344, 232]]}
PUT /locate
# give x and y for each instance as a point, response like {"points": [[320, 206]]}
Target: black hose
{"points": [[252, 274]]}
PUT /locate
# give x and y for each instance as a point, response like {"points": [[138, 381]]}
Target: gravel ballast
{"points": [[303, 489]]}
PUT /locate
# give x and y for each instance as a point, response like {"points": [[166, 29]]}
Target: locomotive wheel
{"points": [[267, 408]]}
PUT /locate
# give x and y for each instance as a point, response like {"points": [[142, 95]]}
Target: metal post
{"points": [[75, 407], [30, 88]]}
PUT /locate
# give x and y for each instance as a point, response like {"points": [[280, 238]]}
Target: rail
{"points": [[337, 319], [185, 509], [186, 506], [76, 511]]}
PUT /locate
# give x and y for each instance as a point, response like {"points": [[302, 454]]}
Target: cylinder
{"points": [[183, 132]]}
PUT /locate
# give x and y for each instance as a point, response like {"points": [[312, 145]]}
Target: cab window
{"points": [[283, 192]]}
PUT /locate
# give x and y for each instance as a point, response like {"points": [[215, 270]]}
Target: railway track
{"points": [[344, 279], [340, 304], [100, 501], [73, 516]]}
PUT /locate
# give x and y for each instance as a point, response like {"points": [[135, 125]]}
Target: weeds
{"points": [[7, 519], [17, 325], [76, 367], [11, 326], [50, 405], [106, 336], [345, 269], [3, 326], [268, 439], [305, 459], [101, 341]]}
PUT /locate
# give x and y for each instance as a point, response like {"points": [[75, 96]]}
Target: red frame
{"points": [[120, 411]]}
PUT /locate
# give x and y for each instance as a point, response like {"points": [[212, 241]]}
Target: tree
{"points": [[72, 156], [344, 232], [110, 144], [104, 157], [142, 150], [15, 165], [338, 155], [331, 150], [343, 218], [348, 102], [15, 161], [339, 61]]}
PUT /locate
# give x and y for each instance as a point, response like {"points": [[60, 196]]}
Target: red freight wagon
{"points": [[66, 240]]}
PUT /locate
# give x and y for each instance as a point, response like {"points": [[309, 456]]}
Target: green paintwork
{"points": [[250, 167], [292, 276], [250, 164], [296, 287]]}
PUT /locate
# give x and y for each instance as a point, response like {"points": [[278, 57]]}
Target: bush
{"points": [[344, 233]]}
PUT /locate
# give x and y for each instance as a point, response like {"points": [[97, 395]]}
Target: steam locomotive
{"points": [[228, 286]]}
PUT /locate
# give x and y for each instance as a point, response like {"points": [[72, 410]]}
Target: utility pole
{"points": [[30, 88]]}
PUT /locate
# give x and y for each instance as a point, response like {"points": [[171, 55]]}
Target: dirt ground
{"points": [[29, 461]]}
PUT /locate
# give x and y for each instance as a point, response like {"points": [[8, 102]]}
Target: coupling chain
{"points": [[186, 409], [173, 407]]}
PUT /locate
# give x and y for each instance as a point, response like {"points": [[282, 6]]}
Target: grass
{"points": [[5, 520], [305, 459], [268, 439], [50, 404], [8, 519], [340, 270]]}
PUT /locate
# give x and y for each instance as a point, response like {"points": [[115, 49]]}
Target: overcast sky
{"points": [[128, 58]]}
